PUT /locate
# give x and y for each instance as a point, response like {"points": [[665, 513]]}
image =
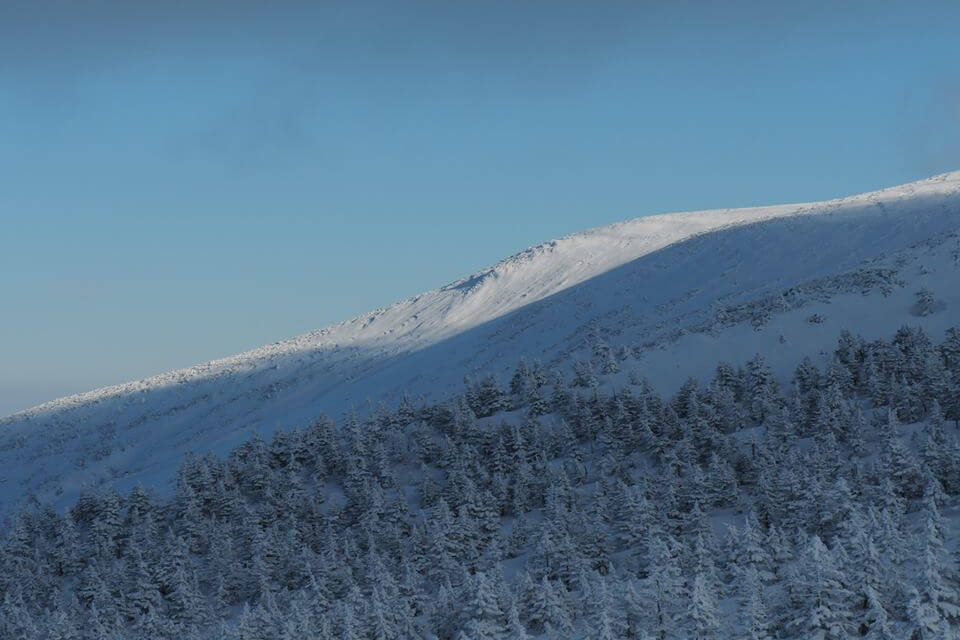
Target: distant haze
{"points": [[181, 181]]}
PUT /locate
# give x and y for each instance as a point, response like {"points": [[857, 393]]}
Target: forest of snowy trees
{"points": [[542, 506]]}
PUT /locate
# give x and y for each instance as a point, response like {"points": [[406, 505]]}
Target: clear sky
{"points": [[181, 181]]}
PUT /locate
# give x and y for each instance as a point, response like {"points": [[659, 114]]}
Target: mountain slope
{"points": [[674, 291]]}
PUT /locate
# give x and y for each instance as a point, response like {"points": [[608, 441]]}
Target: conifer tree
{"points": [[702, 611], [762, 388], [142, 594], [662, 588], [62, 626], [934, 581], [483, 616], [875, 623], [515, 629], [819, 596], [753, 610], [923, 620]]}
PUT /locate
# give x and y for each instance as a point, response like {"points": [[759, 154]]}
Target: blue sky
{"points": [[181, 181]]}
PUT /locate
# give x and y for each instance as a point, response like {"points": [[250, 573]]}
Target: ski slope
{"points": [[676, 291]]}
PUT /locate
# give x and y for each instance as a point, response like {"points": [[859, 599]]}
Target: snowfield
{"points": [[673, 294]]}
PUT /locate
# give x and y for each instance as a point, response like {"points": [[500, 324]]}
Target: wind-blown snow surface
{"points": [[679, 290]]}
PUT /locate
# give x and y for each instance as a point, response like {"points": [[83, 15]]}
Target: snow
{"points": [[652, 284]]}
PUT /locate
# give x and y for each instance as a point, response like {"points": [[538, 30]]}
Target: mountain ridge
{"points": [[692, 222], [667, 296]]}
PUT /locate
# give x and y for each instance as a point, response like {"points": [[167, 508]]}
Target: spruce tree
{"points": [[701, 613], [822, 601], [663, 587], [752, 608]]}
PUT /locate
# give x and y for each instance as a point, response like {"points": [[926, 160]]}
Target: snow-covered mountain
{"points": [[675, 293]]}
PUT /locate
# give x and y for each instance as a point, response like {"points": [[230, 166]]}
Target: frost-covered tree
{"points": [[753, 617], [701, 615], [819, 600], [926, 302], [663, 587], [482, 614], [392, 524]]}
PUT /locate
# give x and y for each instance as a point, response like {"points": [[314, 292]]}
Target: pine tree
{"points": [[933, 578], [926, 302], [16, 621], [610, 364], [62, 626], [381, 622], [67, 552], [584, 375], [515, 629], [950, 349], [856, 432], [604, 618], [522, 381], [186, 605], [545, 607], [722, 490], [486, 398], [750, 550], [821, 599], [634, 612], [602, 628], [753, 611], [702, 610], [662, 588], [106, 525], [142, 594], [923, 620], [762, 387], [98, 629], [632, 519], [482, 613], [92, 590], [875, 624], [441, 615]]}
